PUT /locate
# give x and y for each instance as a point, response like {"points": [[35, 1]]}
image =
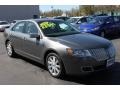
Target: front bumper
{"points": [[85, 65]]}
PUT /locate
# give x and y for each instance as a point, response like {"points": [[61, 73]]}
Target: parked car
{"points": [[76, 21], [14, 21], [59, 46], [3, 25], [73, 19], [102, 25], [62, 18]]}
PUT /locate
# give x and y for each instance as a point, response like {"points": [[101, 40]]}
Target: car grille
{"points": [[100, 54]]}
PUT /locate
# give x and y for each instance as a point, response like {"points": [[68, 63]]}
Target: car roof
{"points": [[59, 16], [77, 17], [103, 16], [107, 16], [3, 21], [42, 19]]}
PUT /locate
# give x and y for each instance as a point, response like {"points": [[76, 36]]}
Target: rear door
{"points": [[17, 35]]}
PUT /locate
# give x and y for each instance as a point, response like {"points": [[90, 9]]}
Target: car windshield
{"points": [[2, 23], [57, 28], [72, 20], [96, 20]]}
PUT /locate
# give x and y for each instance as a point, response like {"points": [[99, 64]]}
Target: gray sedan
{"points": [[59, 46]]}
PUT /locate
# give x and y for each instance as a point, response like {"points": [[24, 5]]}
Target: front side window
{"points": [[57, 28], [31, 28], [19, 27]]}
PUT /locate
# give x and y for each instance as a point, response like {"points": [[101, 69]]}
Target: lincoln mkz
{"points": [[59, 46]]}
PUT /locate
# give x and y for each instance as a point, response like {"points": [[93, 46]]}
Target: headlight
{"points": [[78, 52], [96, 28]]}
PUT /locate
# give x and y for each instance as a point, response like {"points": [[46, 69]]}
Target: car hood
{"points": [[82, 41]]}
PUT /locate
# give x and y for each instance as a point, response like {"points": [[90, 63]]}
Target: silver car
{"points": [[59, 46], [3, 25]]}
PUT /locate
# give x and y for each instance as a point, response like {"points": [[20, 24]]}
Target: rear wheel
{"points": [[54, 65], [10, 50]]}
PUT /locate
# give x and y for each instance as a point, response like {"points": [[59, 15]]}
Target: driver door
{"points": [[33, 47]]}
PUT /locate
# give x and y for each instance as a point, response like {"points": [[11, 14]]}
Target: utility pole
{"points": [[52, 11]]}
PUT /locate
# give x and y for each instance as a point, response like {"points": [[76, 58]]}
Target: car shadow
{"points": [[110, 77], [27, 60]]}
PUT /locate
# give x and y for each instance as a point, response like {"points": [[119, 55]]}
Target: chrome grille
{"points": [[99, 54]]}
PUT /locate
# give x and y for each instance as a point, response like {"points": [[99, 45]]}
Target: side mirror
{"points": [[34, 35]]}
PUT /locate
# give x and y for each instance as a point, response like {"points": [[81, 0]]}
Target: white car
{"points": [[3, 25], [76, 21]]}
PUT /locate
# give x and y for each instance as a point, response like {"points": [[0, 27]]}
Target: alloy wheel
{"points": [[54, 66]]}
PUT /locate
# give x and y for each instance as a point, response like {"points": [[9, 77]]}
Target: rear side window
{"points": [[19, 27], [31, 28]]}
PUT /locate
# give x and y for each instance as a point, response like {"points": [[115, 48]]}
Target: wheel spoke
{"points": [[49, 62], [54, 58], [58, 66], [56, 69], [50, 59]]}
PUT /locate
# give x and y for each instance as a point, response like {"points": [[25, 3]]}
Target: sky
{"points": [[62, 7]]}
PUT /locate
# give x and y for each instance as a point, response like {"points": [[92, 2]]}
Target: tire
{"points": [[10, 50], [55, 65]]}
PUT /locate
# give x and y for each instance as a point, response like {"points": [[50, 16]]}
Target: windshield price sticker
{"points": [[45, 25]]}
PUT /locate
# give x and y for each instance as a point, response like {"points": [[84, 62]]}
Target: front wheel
{"points": [[54, 65]]}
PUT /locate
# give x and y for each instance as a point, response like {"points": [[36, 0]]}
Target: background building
{"points": [[18, 12]]}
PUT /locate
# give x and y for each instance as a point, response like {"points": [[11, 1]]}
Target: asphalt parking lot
{"points": [[22, 71]]}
